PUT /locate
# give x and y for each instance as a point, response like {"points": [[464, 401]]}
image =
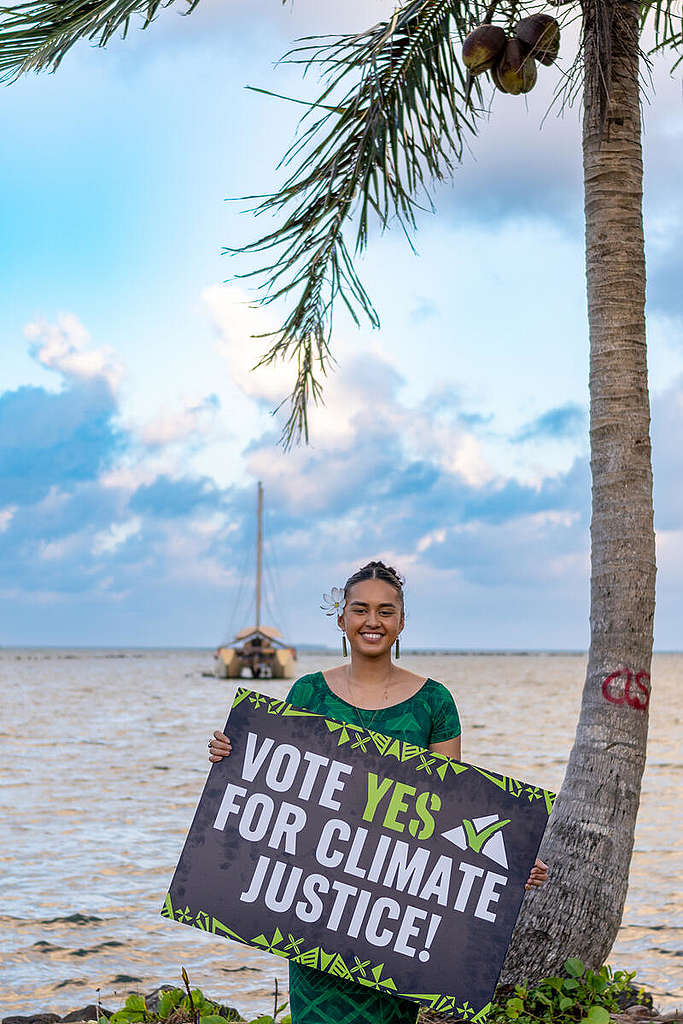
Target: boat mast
{"points": [[259, 554]]}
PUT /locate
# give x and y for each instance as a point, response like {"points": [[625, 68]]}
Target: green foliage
{"points": [[35, 36], [193, 1002], [197, 1002], [136, 1003], [666, 19], [134, 1011], [391, 118], [580, 996], [170, 1001]]}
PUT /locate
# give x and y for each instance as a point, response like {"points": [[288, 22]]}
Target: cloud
{"points": [[65, 346], [420, 468], [115, 535], [499, 554], [49, 439], [367, 441], [565, 421], [6, 517], [404, 479], [86, 509], [196, 416], [172, 499], [236, 320]]}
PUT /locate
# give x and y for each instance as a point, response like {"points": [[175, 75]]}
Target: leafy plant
{"points": [[170, 1001], [134, 1011], [193, 1002], [581, 995]]}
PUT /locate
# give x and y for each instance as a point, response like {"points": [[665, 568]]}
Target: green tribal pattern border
{"points": [[425, 761], [364, 972]]}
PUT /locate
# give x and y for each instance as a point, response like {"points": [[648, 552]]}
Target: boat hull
{"points": [[260, 661]]}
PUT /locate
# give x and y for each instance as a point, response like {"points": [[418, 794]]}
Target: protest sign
{"points": [[361, 855]]}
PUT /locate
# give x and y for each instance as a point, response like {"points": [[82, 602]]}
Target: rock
{"points": [[87, 1013], [229, 1012], [635, 1018], [671, 1015], [34, 1018], [634, 997], [152, 1000]]}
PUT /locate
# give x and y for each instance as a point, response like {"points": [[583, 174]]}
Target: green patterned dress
{"points": [[429, 716]]}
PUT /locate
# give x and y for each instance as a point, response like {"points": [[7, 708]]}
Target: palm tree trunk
{"points": [[589, 841]]}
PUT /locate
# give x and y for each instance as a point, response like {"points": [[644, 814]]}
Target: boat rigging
{"points": [[259, 649]]}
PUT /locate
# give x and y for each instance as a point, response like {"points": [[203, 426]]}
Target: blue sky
{"points": [[453, 441]]}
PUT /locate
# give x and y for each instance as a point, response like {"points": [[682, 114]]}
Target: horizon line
{"points": [[310, 649]]}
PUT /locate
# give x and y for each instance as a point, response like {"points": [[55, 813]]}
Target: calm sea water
{"points": [[104, 760]]}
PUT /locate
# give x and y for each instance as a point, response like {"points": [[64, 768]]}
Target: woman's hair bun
{"points": [[376, 571]]}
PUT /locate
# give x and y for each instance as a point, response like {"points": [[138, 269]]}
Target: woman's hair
{"points": [[376, 571]]}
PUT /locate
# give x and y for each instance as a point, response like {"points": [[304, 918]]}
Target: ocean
{"points": [[104, 761]]}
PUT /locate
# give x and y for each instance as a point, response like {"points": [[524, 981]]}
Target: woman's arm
{"points": [[451, 748]]}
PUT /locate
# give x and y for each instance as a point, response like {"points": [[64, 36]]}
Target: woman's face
{"points": [[373, 617]]}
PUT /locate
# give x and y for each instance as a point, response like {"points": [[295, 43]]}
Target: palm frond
{"points": [[395, 118], [35, 36], [666, 18]]}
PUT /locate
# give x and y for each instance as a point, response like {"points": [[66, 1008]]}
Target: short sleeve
{"points": [[445, 717], [300, 692]]}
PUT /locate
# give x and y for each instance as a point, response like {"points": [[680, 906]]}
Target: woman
{"points": [[371, 691]]}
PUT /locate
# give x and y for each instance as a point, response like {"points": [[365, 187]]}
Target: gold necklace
{"points": [[365, 725], [355, 707]]}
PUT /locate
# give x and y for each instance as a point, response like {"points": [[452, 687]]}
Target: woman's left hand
{"points": [[539, 875]]}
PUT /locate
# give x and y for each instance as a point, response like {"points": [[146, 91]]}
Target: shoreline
{"points": [[631, 1011]]}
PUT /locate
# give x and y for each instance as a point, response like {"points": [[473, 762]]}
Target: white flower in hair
{"points": [[333, 603]]}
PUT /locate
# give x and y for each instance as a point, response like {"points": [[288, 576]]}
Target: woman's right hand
{"points": [[219, 746]]}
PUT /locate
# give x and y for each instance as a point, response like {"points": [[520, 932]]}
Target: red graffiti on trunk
{"points": [[627, 687]]}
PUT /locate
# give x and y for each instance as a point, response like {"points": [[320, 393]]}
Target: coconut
{"points": [[515, 72], [541, 35], [483, 47]]}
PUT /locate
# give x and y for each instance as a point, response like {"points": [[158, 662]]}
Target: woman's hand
{"points": [[538, 876], [219, 746]]}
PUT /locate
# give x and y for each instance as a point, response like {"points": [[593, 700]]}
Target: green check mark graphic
{"points": [[475, 840]]}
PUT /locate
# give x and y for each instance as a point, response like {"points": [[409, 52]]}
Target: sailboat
{"points": [[258, 648]]}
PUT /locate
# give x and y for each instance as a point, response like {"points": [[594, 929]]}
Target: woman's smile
{"points": [[372, 637]]}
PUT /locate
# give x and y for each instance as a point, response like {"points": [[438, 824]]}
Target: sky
{"points": [[453, 439]]}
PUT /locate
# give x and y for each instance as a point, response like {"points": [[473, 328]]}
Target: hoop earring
{"points": [[345, 650], [398, 650]]}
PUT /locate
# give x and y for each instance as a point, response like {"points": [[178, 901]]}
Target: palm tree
{"points": [[394, 114]]}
